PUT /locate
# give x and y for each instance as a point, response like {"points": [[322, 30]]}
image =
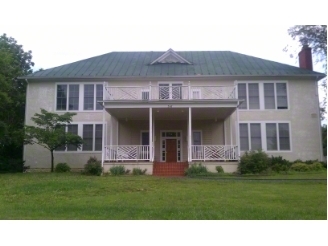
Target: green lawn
{"points": [[75, 196]]}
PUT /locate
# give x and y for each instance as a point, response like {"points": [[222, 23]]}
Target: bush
{"points": [[300, 167], [138, 171], [195, 169], [10, 165], [118, 170], [253, 162], [93, 167], [62, 168], [317, 166], [278, 164], [219, 169]]}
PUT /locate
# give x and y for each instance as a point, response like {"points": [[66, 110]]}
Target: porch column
{"points": [[154, 139], [230, 126], [150, 134], [103, 135], [189, 136]]}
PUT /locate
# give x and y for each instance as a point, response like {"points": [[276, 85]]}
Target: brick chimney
{"points": [[305, 57]]}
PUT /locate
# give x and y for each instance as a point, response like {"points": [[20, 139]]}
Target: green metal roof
{"points": [[205, 63]]}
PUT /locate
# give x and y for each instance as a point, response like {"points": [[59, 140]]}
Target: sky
{"points": [[61, 32]]}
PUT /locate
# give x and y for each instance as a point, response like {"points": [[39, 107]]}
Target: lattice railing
{"points": [[213, 92], [169, 92], [214, 152], [126, 152]]}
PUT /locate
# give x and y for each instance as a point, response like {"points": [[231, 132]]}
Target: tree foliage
{"points": [[14, 62], [50, 132]]}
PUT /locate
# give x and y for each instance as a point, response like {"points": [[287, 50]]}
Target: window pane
{"points": [[284, 136], [269, 96], [61, 97], [145, 138], [72, 129], [61, 132], [256, 142], [87, 137], [99, 96], [98, 137], [196, 138], [73, 103], [243, 132], [88, 97], [271, 136], [254, 97], [282, 96], [242, 95]]}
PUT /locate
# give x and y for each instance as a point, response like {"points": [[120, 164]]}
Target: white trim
{"points": [[264, 137], [177, 138], [261, 94], [81, 96], [150, 132], [189, 134], [168, 53]]}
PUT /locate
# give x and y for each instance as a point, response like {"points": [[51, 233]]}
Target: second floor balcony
{"points": [[169, 92]]}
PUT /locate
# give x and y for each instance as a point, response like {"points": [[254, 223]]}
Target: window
{"points": [[249, 92], [75, 97], [250, 135], [170, 91], [267, 136], [72, 129], [196, 138], [92, 137], [144, 138], [145, 95], [70, 102], [263, 95]]}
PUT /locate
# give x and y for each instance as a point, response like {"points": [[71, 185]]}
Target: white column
{"points": [[103, 136], [154, 140], [237, 134], [189, 136], [230, 126], [150, 133]]}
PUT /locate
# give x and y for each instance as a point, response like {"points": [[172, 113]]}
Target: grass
{"points": [[75, 196]]}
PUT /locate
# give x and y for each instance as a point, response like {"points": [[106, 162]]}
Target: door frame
{"points": [[178, 137]]}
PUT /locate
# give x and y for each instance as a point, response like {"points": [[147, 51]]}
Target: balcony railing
{"points": [[127, 153], [214, 152], [169, 92]]}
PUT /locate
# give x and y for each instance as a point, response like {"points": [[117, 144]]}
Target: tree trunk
{"points": [[52, 161]]}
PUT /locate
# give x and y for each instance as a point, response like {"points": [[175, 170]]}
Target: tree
{"points": [[316, 37], [324, 139], [14, 62], [50, 132]]}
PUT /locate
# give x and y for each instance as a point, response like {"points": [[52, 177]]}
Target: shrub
{"points": [[300, 167], [195, 169], [11, 165], [317, 166], [278, 164], [62, 168], [138, 171], [219, 169], [118, 170], [93, 167], [253, 162]]}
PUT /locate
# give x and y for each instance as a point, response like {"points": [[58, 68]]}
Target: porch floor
{"points": [[169, 168]]}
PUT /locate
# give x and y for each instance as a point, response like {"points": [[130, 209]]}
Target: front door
{"points": [[171, 150]]}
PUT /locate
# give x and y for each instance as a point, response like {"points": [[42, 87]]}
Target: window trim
{"points": [[264, 136], [261, 94], [81, 96], [80, 133]]}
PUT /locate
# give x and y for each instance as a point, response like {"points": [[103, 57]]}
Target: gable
{"points": [[170, 56]]}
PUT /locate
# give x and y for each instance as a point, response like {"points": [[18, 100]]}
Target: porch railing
{"points": [[126, 152], [214, 152], [169, 92]]}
